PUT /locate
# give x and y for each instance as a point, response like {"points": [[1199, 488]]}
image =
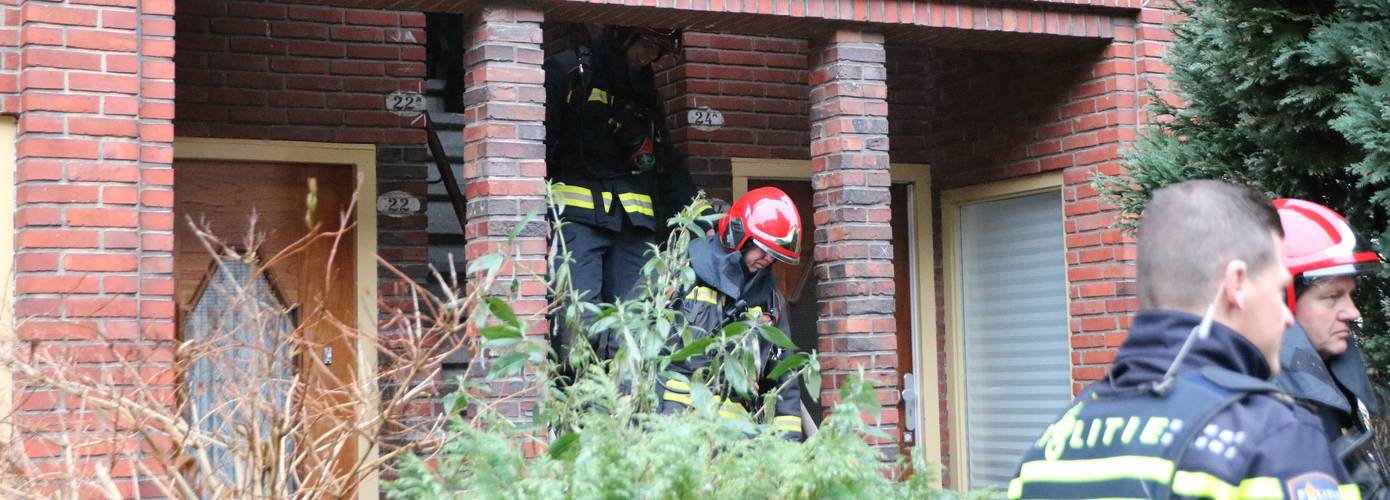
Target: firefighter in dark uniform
{"points": [[1322, 366], [733, 273], [618, 174], [1186, 410]]}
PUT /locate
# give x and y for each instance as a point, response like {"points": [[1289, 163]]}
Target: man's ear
{"points": [[1233, 284]]}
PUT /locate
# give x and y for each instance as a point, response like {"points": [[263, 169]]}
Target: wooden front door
{"points": [[316, 284], [798, 283]]}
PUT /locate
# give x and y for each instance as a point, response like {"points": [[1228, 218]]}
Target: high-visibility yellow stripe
{"points": [[637, 203], [1349, 491], [1201, 484], [730, 409], [790, 423], [1262, 487], [678, 385], [575, 196], [607, 201], [703, 294], [1015, 489], [678, 398], [1098, 469], [598, 95]]}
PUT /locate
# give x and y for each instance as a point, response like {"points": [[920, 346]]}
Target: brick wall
{"points": [[758, 83], [94, 93], [282, 71]]}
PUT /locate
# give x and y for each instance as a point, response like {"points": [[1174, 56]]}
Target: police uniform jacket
{"points": [[722, 281], [1259, 444], [595, 106]]}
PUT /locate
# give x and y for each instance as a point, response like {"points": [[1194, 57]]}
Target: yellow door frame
{"points": [[362, 159], [918, 179], [951, 202]]}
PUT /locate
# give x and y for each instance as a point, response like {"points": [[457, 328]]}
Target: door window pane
{"points": [[1016, 352]]}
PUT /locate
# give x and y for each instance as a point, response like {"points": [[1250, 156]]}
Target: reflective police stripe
{"points": [[789, 423], [575, 196], [703, 294], [598, 95], [637, 203], [1097, 469]]}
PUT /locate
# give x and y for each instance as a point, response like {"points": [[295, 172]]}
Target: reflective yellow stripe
{"points": [[1263, 487], [607, 201], [678, 397], [1201, 484], [575, 196], [791, 423], [703, 294], [1349, 491], [1097, 469], [730, 409], [598, 95], [678, 385], [637, 203], [1015, 489]]}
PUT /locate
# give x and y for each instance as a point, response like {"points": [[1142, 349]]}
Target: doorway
{"points": [[325, 291], [915, 295]]}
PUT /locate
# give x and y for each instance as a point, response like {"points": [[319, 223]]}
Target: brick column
{"points": [[854, 251], [94, 201], [504, 160]]}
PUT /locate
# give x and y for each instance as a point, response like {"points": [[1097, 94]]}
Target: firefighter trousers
{"points": [[605, 266]]}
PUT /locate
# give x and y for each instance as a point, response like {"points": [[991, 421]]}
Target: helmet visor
{"points": [[783, 249]]}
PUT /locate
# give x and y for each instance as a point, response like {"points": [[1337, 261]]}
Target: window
{"points": [[1009, 329], [239, 330]]}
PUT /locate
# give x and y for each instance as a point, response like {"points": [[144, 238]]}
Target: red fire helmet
{"points": [[1318, 243], [768, 217]]}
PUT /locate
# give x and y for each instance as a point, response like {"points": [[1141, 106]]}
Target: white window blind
{"points": [[1017, 366]]}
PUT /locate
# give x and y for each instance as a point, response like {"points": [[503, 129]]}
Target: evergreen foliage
{"points": [[1289, 96]]}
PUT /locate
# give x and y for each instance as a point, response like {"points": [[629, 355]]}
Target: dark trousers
{"points": [[605, 267]]}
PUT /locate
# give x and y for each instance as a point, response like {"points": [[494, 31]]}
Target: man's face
{"points": [[1264, 313], [755, 259], [1325, 311], [642, 52]]}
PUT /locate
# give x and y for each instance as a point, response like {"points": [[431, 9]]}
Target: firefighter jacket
{"points": [[1339, 391], [607, 143], [722, 292], [1219, 430]]}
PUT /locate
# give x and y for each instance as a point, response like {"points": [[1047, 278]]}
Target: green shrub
{"points": [[599, 435]]}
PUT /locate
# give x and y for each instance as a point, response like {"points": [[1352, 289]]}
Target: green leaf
{"points": [[736, 374], [693, 348], [502, 343], [789, 364], [811, 378], [562, 445], [507, 365], [775, 335], [503, 311], [495, 332], [521, 224], [490, 263]]}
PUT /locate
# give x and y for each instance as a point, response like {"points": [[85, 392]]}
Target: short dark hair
{"points": [[1191, 230]]}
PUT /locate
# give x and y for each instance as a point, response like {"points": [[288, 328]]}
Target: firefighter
{"points": [[1186, 409], [1322, 367], [617, 171], [733, 277]]}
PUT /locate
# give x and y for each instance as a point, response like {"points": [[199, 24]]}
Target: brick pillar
{"points": [[94, 199], [504, 160], [854, 251]]}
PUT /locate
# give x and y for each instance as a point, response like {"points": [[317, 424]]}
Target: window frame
{"points": [[952, 201]]}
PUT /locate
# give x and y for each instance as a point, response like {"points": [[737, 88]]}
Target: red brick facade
{"points": [[981, 93]]}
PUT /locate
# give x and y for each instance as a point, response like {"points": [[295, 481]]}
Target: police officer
{"points": [[733, 272], [1186, 410], [1322, 366], [618, 172]]}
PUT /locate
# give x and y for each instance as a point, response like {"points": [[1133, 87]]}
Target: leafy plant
{"points": [[598, 434]]}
